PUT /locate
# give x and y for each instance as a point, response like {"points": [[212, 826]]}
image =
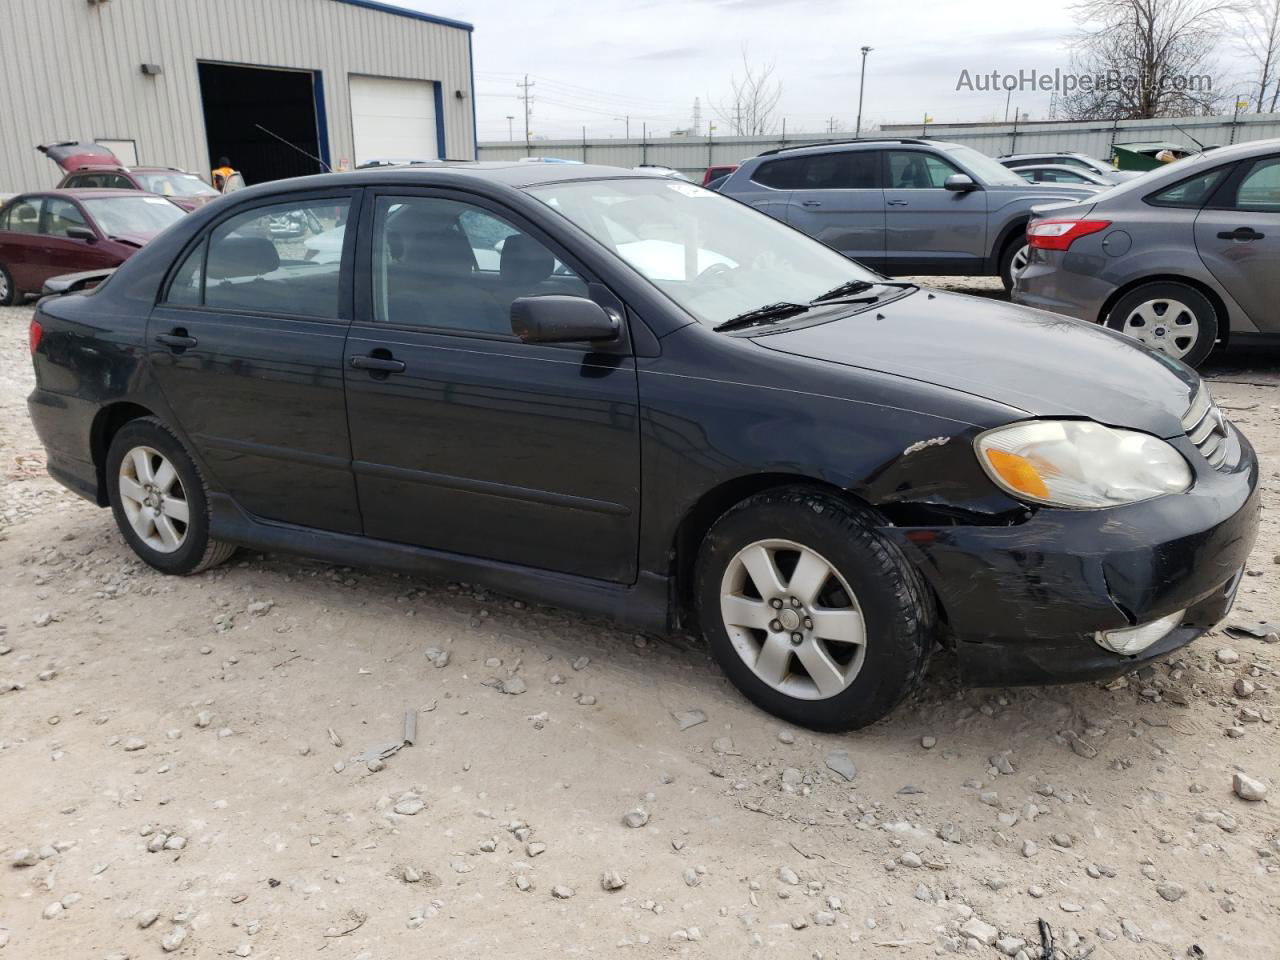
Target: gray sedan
{"points": [[1181, 258]]}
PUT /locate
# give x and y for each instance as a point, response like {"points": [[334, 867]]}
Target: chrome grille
{"points": [[1210, 430]]}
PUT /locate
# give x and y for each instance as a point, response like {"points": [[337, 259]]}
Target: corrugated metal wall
{"points": [[693, 154], [71, 70]]}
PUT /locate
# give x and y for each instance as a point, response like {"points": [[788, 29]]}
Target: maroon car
{"points": [[54, 232], [93, 166]]}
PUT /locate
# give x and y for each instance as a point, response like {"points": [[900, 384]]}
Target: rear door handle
{"points": [[378, 364], [810, 203], [178, 340], [1242, 234], [896, 203]]}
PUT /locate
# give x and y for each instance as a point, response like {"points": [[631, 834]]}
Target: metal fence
{"points": [[692, 155]]}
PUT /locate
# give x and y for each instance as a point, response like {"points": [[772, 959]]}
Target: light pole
{"points": [[857, 130], [510, 118], [627, 121]]}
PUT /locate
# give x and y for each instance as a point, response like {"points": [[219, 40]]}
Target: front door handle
{"points": [[1243, 234], [177, 340], [896, 203], [810, 203], [378, 364]]}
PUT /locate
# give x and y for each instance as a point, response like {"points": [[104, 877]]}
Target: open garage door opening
{"points": [[240, 101]]}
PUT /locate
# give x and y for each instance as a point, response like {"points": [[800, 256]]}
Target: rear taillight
{"points": [[34, 333], [1060, 234]]}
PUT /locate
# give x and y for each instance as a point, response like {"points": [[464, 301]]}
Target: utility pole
{"points": [[525, 87], [697, 116], [1008, 97], [510, 135], [862, 80], [831, 124], [627, 121]]}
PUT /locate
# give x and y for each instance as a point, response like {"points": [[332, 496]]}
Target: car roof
{"points": [[1045, 153], [83, 193], [506, 173]]}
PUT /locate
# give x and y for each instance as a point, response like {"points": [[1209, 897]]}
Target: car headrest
{"points": [[525, 260], [242, 257], [438, 251]]}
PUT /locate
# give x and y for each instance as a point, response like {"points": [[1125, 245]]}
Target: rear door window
{"points": [[1260, 187], [279, 260], [838, 170], [23, 216]]}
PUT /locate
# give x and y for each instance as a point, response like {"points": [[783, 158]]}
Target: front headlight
{"points": [[1077, 463]]}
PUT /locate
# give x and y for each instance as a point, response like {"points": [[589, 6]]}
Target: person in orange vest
{"points": [[221, 172]]}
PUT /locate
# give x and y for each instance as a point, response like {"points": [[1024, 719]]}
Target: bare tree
{"points": [[752, 106], [1261, 44], [1146, 58]]}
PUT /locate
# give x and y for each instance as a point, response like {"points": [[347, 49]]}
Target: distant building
{"points": [[184, 82]]}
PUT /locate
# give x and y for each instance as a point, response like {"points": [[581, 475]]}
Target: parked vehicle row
{"points": [[1180, 259], [625, 393], [901, 206]]}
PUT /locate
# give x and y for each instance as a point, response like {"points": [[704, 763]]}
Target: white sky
{"points": [[597, 60]]}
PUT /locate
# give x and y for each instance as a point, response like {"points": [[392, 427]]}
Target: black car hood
{"points": [[1040, 363]]}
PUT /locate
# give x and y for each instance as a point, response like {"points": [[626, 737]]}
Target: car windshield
{"points": [[988, 170], [713, 256], [175, 184], [141, 216]]}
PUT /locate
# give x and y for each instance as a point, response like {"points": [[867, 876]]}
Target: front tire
{"points": [[159, 500], [1013, 259], [1172, 318], [812, 614]]}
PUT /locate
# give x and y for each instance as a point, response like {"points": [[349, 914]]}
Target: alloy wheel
{"points": [[793, 619], [4, 286], [1169, 326], [1020, 260], [153, 499]]}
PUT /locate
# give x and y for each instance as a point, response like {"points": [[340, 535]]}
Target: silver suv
{"points": [[901, 206], [1182, 258]]}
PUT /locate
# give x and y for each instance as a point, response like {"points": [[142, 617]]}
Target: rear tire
{"points": [[160, 501], [1012, 259], [859, 620], [1170, 317], [8, 292]]}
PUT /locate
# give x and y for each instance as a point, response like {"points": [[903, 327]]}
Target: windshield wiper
{"points": [[845, 289], [769, 313], [857, 286]]}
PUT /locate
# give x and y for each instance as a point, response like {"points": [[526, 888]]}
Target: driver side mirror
{"points": [[959, 183], [81, 233], [561, 319]]}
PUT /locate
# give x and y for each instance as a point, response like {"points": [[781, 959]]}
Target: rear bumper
{"points": [[1046, 285], [63, 424], [1024, 602]]}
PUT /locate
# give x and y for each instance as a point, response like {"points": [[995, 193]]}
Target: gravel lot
{"points": [[180, 775]]}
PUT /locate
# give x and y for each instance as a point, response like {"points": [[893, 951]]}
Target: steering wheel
{"points": [[714, 271]]}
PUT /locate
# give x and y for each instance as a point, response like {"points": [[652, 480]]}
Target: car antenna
{"points": [[1189, 136], [327, 168]]}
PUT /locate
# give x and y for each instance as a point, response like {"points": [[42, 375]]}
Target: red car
{"points": [[54, 232], [93, 166], [716, 171]]}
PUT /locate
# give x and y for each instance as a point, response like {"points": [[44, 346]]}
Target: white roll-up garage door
{"points": [[392, 118]]}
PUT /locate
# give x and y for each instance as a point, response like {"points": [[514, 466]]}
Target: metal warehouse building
{"points": [[183, 82]]}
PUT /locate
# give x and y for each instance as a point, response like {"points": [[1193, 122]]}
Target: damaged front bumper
{"points": [[1024, 603]]}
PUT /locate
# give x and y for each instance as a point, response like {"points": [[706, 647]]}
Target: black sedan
{"points": [[627, 394]]}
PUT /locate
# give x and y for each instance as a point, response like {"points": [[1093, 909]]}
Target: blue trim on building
{"points": [[412, 14], [475, 135], [322, 118], [441, 152]]}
